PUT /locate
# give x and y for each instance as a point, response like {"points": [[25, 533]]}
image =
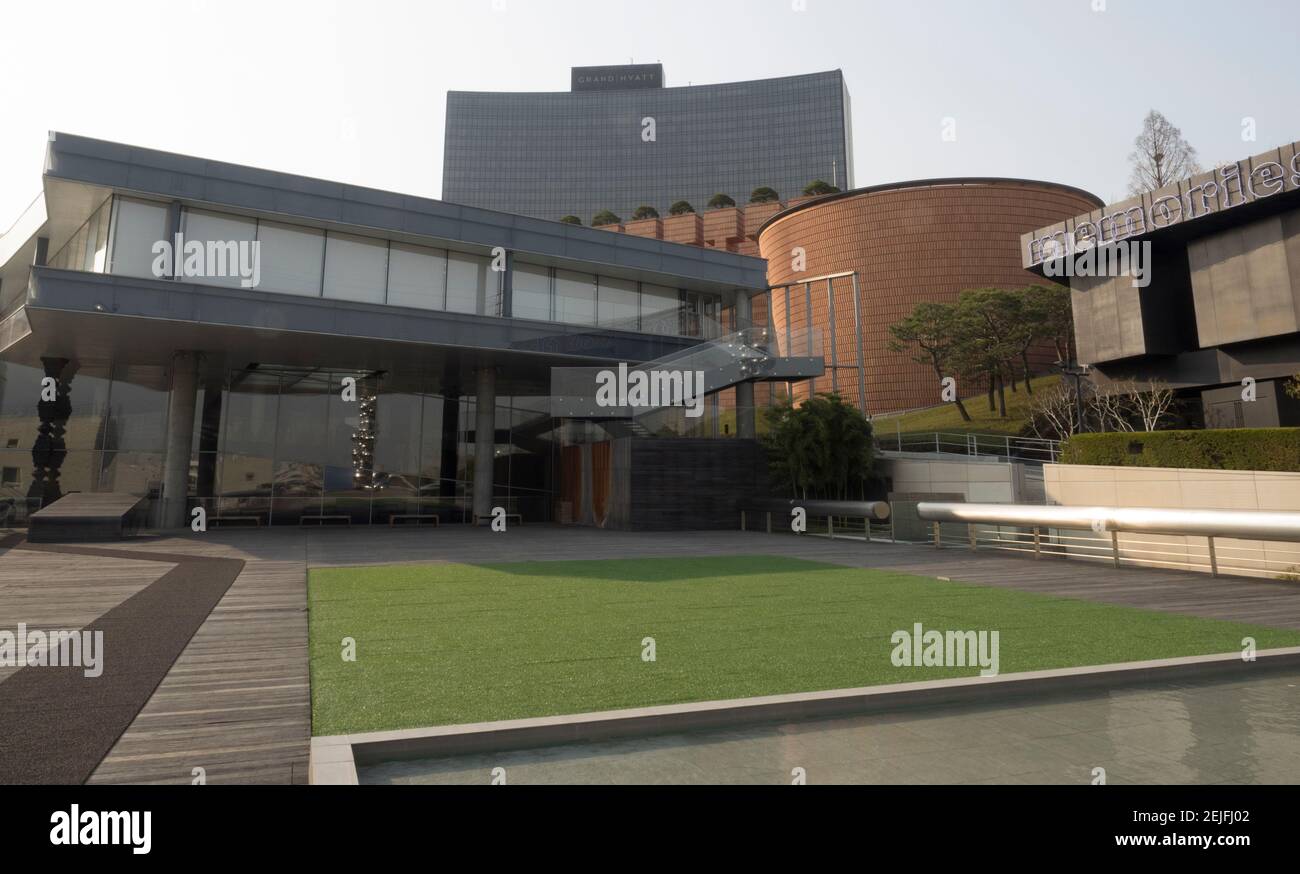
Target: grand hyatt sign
{"points": [[1217, 191], [618, 78]]}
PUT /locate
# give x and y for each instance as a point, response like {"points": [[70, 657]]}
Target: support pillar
{"points": [[485, 424], [746, 427], [180, 431]]}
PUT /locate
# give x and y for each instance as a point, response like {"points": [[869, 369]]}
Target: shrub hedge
{"points": [[1220, 449]]}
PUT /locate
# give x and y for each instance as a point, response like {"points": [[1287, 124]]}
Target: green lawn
{"points": [[449, 643], [946, 418]]}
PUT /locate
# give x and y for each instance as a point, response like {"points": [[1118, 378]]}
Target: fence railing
{"points": [[998, 446], [1238, 542], [853, 520]]}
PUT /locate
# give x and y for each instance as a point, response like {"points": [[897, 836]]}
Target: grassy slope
{"points": [[443, 644], [946, 417]]}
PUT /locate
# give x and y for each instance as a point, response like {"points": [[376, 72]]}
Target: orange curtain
{"points": [[571, 480], [601, 469]]}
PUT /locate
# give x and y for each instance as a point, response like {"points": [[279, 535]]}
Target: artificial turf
{"points": [[452, 643]]}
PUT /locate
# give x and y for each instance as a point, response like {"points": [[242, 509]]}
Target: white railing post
{"points": [[1214, 559]]}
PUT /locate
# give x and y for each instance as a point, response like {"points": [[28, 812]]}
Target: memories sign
{"points": [[1224, 188]]}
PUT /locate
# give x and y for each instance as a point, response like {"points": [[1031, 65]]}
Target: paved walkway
{"points": [[236, 702]]}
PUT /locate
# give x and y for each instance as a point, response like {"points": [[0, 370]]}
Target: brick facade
{"points": [[908, 244]]}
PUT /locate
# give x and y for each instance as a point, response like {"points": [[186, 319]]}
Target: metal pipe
{"points": [[1242, 524], [1214, 559], [857, 330], [877, 511]]}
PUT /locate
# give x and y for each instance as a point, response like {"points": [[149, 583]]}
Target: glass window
{"points": [[617, 304], [531, 292], [291, 259], [247, 435], [221, 236], [136, 418], [659, 310], [467, 283], [575, 298], [417, 277], [137, 226], [356, 268], [96, 241], [72, 253]]}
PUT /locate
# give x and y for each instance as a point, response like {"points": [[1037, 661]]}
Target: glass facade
{"points": [[277, 446], [309, 262], [112, 437], [553, 154], [87, 250]]}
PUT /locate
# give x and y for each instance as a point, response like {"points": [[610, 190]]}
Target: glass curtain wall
{"points": [[290, 450], [278, 447], [106, 433], [309, 262]]}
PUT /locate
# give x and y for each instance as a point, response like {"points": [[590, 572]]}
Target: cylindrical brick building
{"points": [[910, 242]]}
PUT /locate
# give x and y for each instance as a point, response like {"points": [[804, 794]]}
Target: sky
{"points": [[355, 91]]}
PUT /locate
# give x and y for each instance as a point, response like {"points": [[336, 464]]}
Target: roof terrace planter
{"points": [[723, 226], [688, 229], [651, 227]]}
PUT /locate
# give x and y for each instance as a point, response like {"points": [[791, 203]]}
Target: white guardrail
{"points": [[1040, 529], [1002, 447]]}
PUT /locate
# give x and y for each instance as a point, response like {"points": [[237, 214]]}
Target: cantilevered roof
{"points": [[303, 200]]}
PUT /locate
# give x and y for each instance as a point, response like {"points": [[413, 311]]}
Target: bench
{"points": [[322, 518], [221, 520], [418, 517], [479, 520]]}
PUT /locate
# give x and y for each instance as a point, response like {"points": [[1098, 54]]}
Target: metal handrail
{"points": [[867, 511], [1036, 449], [1254, 525], [1240, 524]]}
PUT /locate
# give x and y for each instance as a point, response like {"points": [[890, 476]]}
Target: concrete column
{"points": [[485, 423], [746, 427], [180, 431]]}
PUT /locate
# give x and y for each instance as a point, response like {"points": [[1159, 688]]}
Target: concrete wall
{"points": [[983, 482], [1246, 281], [1180, 488]]}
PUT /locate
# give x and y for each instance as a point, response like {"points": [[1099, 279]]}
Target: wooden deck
{"points": [[236, 703]]}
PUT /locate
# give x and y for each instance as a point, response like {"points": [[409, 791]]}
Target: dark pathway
{"points": [[56, 723]]}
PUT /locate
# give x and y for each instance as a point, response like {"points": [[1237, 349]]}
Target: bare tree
{"points": [[1054, 413], [1114, 406], [1160, 156], [1152, 402]]}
